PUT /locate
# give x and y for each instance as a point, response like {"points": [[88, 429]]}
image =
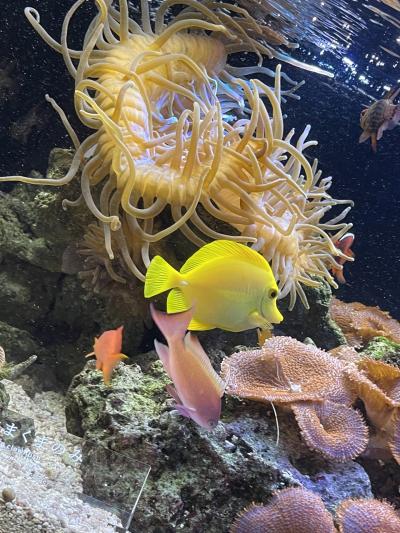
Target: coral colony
{"points": [[305, 512]]}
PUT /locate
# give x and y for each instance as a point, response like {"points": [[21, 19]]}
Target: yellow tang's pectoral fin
{"points": [[176, 302], [195, 325]]}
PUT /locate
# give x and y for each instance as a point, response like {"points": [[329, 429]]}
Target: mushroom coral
{"points": [[345, 353], [366, 516], [377, 384], [293, 509], [310, 382], [361, 323], [175, 126], [285, 370], [320, 388], [301, 511], [334, 430]]}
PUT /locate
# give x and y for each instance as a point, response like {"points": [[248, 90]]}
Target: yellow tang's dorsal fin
{"points": [[223, 248]]}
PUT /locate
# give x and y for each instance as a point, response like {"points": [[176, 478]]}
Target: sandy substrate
{"points": [[45, 477]]}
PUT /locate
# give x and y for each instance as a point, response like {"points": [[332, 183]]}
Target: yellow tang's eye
{"points": [[273, 293]]}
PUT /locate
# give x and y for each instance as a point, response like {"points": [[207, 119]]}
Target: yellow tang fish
{"points": [[229, 285]]}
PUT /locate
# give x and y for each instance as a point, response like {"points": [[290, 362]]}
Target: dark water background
{"points": [[332, 107]]}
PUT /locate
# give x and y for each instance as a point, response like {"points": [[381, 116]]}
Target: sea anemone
{"points": [[175, 126]]}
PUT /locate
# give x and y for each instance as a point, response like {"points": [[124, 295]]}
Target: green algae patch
{"points": [[383, 349], [132, 396]]}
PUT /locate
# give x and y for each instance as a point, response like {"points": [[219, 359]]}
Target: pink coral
{"points": [[298, 510], [293, 509], [307, 380]]}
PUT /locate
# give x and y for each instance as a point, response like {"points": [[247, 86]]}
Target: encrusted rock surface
{"points": [[24, 433], [315, 322], [44, 310], [199, 480]]}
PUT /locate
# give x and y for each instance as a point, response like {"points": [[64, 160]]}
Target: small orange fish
{"points": [[107, 349], [344, 245]]}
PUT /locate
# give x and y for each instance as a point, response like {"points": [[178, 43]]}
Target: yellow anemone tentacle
{"points": [[176, 127]]}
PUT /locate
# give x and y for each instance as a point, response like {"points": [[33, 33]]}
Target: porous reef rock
{"points": [[24, 432], [44, 310], [315, 322], [4, 398], [10, 372], [199, 479]]}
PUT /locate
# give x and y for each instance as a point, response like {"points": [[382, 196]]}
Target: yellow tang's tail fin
{"points": [[160, 277]]}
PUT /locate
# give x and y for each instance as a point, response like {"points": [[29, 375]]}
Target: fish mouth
{"points": [[212, 423], [273, 318]]}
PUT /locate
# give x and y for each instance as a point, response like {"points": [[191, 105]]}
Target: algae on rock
{"points": [[383, 349], [198, 479], [45, 310]]}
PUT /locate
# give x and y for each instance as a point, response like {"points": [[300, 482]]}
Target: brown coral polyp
{"points": [[377, 384], [374, 382]]}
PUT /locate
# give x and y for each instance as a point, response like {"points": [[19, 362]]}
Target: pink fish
{"points": [[198, 388], [107, 349], [344, 244]]}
